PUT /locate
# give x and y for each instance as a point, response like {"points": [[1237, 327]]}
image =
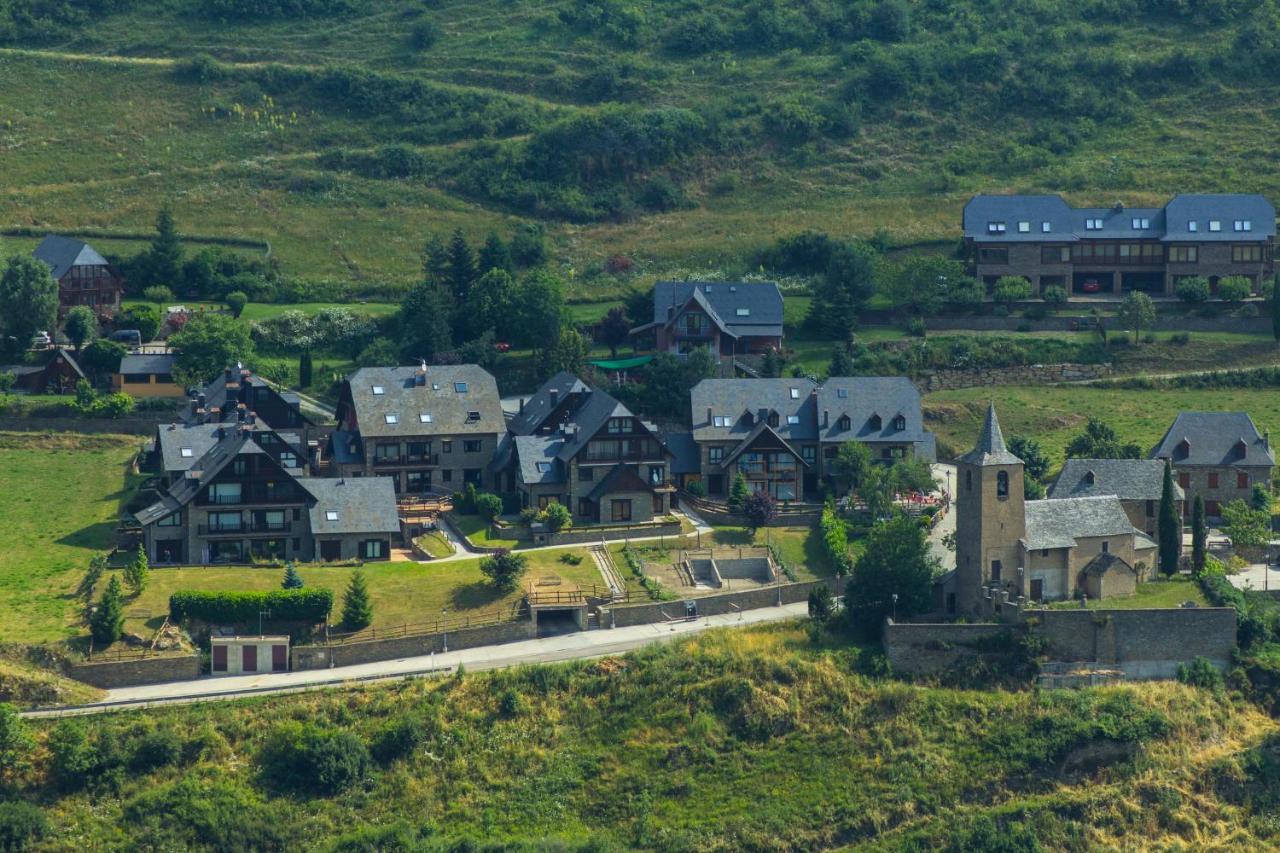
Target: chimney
{"points": [[826, 418], [420, 375], [555, 396], [200, 400], [1119, 207], [1266, 439], [522, 405], [227, 373], [708, 416], [253, 418]]}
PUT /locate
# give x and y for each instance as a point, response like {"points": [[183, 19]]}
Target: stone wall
{"points": [[588, 535], [1028, 374], [1152, 641], [714, 605], [129, 673], [324, 656], [1062, 323], [927, 649]]}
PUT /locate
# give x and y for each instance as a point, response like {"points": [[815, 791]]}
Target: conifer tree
{"points": [[357, 611], [1169, 526], [1199, 534], [461, 267], [304, 369], [137, 572], [107, 622], [292, 580], [738, 493], [494, 255], [164, 258]]}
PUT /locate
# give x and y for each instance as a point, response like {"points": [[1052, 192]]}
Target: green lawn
{"points": [[1158, 593], [61, 497], [435, 544], [481, 533]]}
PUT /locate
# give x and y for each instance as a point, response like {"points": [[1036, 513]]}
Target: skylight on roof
{"points": [[392, 418], [1139, 223], [435, 386], [330, 515], [793, 419], [1215, 225], [378, 390], [187, 453], [1093, 224], [1046, 227], [544, 467], [472, 417], [795, 393], [720, 421], [743, 312], [842, 393], [1024, 227], [460, 387], [995, 227], [1244, 225], [424, 417], [1191, 226]]}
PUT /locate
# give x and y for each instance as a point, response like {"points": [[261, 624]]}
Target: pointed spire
{"points": [[991, 449]]}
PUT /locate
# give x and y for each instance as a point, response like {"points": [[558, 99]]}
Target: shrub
{"points": [[156, 749], [504, 568], [1200, 673], [557, 517], [158, 294], [1011, 288], [312, 759], [213, 814], [1180, 338], [1054, 294], [424, 35], [697, 488], [835, 541], [72, 758], [1193, 289], [289, 605], [236, 300], [916, 328], [488, 506], [21, 824], [397, 739], [1234, 288]]}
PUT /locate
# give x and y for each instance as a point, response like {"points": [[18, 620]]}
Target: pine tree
{"points": [[304, 369], [357, 611], [461, 267], [738, 493], [1199, 534], [494, 255], [435, 260], [136, 573], [292, 580], [1169, 526], [841, 362], [107, 622], [164, 258]]}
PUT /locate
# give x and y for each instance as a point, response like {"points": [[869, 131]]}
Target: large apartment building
{"points": [[1117, 250]]}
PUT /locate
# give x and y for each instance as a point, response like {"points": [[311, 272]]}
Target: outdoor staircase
{"points": [[609, 571]]}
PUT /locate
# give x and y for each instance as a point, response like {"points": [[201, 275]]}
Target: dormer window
{"points": [[899, 423], [392, 418], [875, 423], [844, 424], [1184, 447], [1242, 449], [1024, 227], [378, 390], [748, 419], [1140, 224], [773, 419], [460, 387], [544, 467], [187, 453], [1215, 225], [720, 421], [1090, 478], [842, 393], [1193, 226], [995, 227], [793, 420], [424, 417]]}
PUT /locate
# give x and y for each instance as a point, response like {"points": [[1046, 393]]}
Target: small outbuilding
{"points": [[244, 655], [1108, 576]]}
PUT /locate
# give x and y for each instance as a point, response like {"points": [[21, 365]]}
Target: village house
{"points": [[1044, 550], [236, 492], [577, 445], [428, 428], [1119, 250], [781, 434], [147, 375], [84, 277], [1138, 483], [726, 318], [1218, 456], [57, 373], [237, 390]]}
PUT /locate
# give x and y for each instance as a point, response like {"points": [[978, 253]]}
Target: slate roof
{"points": [[733, 398], [688, 459], [535, 450], [63, 253], [363, 505], [1059, 522], [1127, 479], [1212, 438], [340, 443], [158, 363], [863, 397], [234, 442], [1169, 223], [219, 391], [172, 438], [539, 406], [724, 301], [990, 449], [587, 421], [1104, 563], [438, 397]]}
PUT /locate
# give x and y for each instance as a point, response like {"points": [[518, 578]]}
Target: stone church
{"points": [[1043, 550]]}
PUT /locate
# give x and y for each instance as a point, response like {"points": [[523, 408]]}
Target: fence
{"points": [[796, 514], [419, 629]]}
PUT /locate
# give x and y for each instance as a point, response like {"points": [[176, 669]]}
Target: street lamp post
{"points": [[895, 606], [444, 611]]}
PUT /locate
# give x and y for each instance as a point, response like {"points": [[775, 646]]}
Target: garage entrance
{"points": [[1147, 282], [556, 606], [1090, 283]]}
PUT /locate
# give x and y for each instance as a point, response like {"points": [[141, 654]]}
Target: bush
{"points": [[488, 506], [424, 35], [697, 488], [288, 605], [916, 328], [236, 300], [207, 814], [835, 541], [156, 749], [312, 759], [1193, 289], [1054, 295], [21, 824], [158, 294], [557, 517], [397, 739], [1180, 338], [1011, 288], [1234, 288], [72, 758], [503, 569], [1200, 673]]}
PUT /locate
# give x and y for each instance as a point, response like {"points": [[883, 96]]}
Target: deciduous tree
{"points": [[1136, 312], [28, 302], [80, 327], [614, 330], [897, 561], [207, 345], [1099, 441], [759, 509], [503, 569]]}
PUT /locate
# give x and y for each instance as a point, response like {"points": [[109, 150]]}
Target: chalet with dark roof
{"points": [[1137, 483], [1219, 456], [577, 445], [228, 397], [727, 318], [147, 375], [56, 373], [1118, 249], [84, 277], [431, 428]]}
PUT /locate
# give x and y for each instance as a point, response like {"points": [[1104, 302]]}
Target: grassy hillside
{"points": [[746, 740], [684, 135]]}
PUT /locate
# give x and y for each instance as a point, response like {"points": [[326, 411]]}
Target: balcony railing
{"points": [[252, 496], [407, 459], [247, 527]]}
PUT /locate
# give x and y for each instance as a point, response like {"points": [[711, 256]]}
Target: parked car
{"points": [[502, 346], [129, 337], [1091, 285], [41, 340]]}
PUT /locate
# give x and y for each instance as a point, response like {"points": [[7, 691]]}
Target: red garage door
{"points": [[279, 659], [250, 659], [219, 658]]}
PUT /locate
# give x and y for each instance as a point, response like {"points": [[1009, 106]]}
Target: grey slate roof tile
{"points": [[1059, 522], [63, 253], [761, 299], [1211, 439], [1127, 479], [362, 505], [439, 398]]}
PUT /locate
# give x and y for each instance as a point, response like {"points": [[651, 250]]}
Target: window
{"points": [[1106, 546], [586, 475], [446, 446], [773, 419], [995, 227], [219, 521], [899, 423], [993, 256], [844, 424], [875, 423], [1139, 224], [1024, 227], [1246, 254], [619, 425], [621, 509], [1183, 254], [330, 515], [1093, 224], [1242, 480], [968, 481], [721, 421], [715, 454], [225, 493], [1213, 479], [996, 568], [378, 390], [171, 520], [810, 453], [187, 452], [1243, 225], [795, 393], [1192, 226], [1045, 227], [424, 418], [460, 387], [391, 418], [1184, 480], [793, 420], [1055, 254], [1151, 509], [743, 312], [657, 473], [842, 393], [289, 460], [472, 417], [1044, 552], [1215, 225], [446, 476], [471, 445], [1002, 484], [373, 549]]}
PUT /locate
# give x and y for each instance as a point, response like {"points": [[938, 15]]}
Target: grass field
{"points": [[1157, 593], [61, 497]]}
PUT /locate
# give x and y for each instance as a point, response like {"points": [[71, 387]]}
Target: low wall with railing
{"points": [[367, 648], [788, 515], [130, 671], [620, 616], [611, 533]]}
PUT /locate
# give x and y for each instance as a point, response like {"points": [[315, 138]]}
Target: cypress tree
{"points": [[304, 369], [292, 580], [136, 573], [164, 258], [1199, 534], [357, 611], [107, 622], [461, 267], [1170, 526]]}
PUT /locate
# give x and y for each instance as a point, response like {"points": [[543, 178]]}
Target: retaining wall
{"points": [[588, 535], [1153, 641], [1027, 374], [323, 657], [120, 426], [130, 673], [1163, 323], [787, 517], [927, 649], [714, 605]]}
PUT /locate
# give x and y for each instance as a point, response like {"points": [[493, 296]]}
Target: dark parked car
{"points": [[131, 337], [1090, 285]]}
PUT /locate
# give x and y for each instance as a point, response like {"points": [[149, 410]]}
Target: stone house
{"points": [[1218, 456], [1138, 484]]}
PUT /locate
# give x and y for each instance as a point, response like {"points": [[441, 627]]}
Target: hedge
{"points": [[835, 539], [289, 605]]}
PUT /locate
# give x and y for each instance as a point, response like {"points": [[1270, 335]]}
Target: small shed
{"points": [[238, 655], [1108, 576]]}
